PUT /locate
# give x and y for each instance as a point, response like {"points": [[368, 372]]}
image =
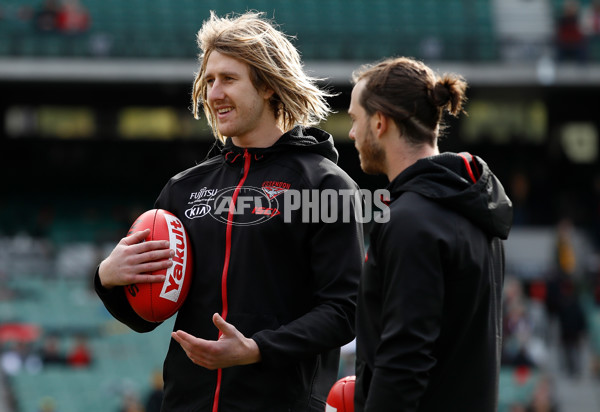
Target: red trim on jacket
{"points": [[468, 165], [230, 214]]}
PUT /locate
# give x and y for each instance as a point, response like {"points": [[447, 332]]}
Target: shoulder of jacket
{"points": [[206, 166], [413, 212], [317, 170]]}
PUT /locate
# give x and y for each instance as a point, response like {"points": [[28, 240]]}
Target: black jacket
{"points": [[290, 281], [429, 304]]}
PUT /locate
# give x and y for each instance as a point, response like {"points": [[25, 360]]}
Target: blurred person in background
{"points": [[520, 191], [544, 396], [570, 40], [51, 353], [80, 355], [17, 356], [270, 304], [155, 396], [72, 17], [131, 403], [47, 404], [429, 310], [591, 20], [45, 17], [573, 327]]}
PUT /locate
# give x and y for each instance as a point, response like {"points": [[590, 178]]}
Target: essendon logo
{"points": [[176, 273], [273, 189]]}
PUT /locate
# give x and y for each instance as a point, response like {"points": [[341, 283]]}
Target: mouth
{"points": [[222, 112]]}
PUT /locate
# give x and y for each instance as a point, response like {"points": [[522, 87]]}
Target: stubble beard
{"points": [[372, 157]]}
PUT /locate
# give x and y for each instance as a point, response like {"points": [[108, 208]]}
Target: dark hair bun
{"points": [[440, 94], [449, 93]]}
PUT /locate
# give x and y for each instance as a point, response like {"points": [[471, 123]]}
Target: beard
{"points": [[372, 156]]}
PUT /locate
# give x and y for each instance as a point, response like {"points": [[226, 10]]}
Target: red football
{"points": [[156, 302], [341, 395]]}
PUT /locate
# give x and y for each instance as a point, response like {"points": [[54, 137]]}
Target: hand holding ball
{"points": [[156, 302]]}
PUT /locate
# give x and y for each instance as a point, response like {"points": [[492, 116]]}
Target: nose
{"points": [[351, 134], [215, 91]]}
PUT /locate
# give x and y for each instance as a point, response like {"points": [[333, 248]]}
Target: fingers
{"points": [[134, 260], [197, 350], [231, 349], [223, 326], [183, 338], [136, 237], [153, 255], [131, 278], [137, 243], [147, 279], [150, 245], [140, 252]]}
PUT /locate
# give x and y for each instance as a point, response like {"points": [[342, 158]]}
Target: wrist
{"points": [[103, 283], [253, 351]]}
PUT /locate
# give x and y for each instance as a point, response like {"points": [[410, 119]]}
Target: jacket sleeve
{"points": [[116, 303], [411, 251], [336, 253]]}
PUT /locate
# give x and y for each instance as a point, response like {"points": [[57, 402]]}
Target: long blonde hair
{"points": [[274, 63]]}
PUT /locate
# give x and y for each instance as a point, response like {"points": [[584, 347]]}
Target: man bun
{"points": [[449, 93]]}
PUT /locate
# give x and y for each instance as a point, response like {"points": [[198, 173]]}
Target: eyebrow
{"points": [[224, 73]]}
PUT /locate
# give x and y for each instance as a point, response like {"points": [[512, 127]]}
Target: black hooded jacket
{"points": [[280, 277], [429, 305]]}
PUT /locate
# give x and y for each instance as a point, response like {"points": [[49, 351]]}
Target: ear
{"points": [[380, 124], [267, 93]]}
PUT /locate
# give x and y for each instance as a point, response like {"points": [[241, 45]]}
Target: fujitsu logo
{"points": [[176, 273], [202, 193], [199, 203]]}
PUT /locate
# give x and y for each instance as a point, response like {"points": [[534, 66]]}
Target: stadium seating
{"points": [[592, 313], [451, 30], [516, 386], [123, 361], [325, 30]]}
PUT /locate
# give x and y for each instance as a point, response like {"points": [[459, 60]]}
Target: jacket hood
{"points": [[463, 183], [308, 139]]}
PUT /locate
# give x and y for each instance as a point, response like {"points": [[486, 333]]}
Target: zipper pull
{"points": [[246, 162]]}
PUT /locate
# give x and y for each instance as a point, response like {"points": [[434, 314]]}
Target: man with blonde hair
{"points": [[272, 297]]}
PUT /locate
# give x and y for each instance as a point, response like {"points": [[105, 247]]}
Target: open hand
{"points": [[231, 349]]}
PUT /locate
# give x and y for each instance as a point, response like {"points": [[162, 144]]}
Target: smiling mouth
{"points": [[224, 110]]}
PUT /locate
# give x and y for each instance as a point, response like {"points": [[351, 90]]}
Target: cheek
{"points": [[361, 136]]}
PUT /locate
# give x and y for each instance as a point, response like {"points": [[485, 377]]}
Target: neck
{"points": [[260, 137], [258, 141], [405, 155]]}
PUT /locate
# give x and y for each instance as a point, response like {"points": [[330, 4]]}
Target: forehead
{"points": [[355, 96], [219, 63]]}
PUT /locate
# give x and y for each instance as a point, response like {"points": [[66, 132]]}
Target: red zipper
{"points": [[236, 192]]}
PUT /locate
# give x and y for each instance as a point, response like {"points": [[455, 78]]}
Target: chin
{"points": [[370, 169]]}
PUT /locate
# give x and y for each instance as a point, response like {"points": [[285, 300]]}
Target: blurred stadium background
{"points": [[95, 117]]}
